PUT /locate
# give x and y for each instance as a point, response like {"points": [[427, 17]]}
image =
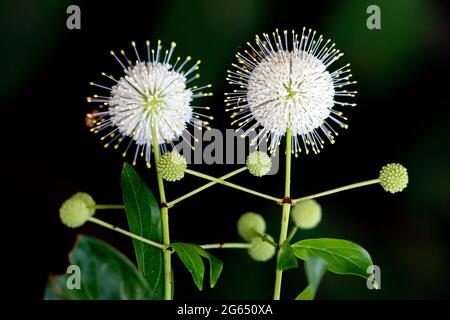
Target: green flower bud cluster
{"points": [[252, 227], [75, 211], [393, 177], [172, 166], [258, 163], [306, 214]]}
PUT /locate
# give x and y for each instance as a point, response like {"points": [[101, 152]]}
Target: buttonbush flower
{"points": [[261, 250], [150, 93], [251, 224], [258, 163], [75, 211], [393, 177], [172, 166], [285, 82], [306, 214]]}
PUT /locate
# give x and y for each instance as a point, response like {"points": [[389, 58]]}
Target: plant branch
{"points": [[109, 206], [165, 220], [347, 187], [206, 186], [232, 185], [292, 234], [231, 245], [285, 212], [127, 233]]}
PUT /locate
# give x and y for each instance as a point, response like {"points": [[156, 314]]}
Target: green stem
{"points": [[285, 212], [206, 186], [231, 245], [292, 234], [127, 233], [347, 187], [231, 185], [265, 238], [165, 221], [109, 206]]}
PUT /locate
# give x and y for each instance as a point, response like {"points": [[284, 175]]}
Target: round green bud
{"points": [[88, 200], [258, 163], [393, 177], [75, 211], [172, 166], [251, 224], [261, 250], [306, 214]]}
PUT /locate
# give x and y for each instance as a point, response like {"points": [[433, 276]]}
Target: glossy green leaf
{"points": [[144, 219], [287, 259], [315, 268], [190, 254], [105, 274], [340, 256]]}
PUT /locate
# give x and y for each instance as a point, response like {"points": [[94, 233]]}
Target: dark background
{"points": [[402, 116]]}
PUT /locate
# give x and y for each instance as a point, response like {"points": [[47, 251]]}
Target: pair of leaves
{"points": [[315, 268], [104, 274], [107, 274], [335, 255], [191, 256], [144, 219]]}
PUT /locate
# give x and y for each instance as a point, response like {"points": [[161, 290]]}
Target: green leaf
{"points": [[287, 259], [144, 219], [105, 274], [192, 261], [340, 256], [315, 268], [307, 294], [190, 254]]}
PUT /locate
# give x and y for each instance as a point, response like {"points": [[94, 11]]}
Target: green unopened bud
{"points": [[258, 163], [393, 177], [172, 166], [75, 211], [251, 224], [306, 214], [260, 249]]}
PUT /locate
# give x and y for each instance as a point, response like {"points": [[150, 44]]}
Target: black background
{"points": [[402, 116]]}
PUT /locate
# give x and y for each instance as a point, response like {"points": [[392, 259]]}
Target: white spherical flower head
{"points": [[164, 97], [151, 101], [284, 82], [301, 92]]}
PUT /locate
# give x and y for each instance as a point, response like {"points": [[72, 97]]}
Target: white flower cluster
{"points": [[151, 95], [284, 83]]}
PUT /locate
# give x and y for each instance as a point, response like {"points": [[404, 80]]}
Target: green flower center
{"points": [[153, 103], [293, 91]]}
